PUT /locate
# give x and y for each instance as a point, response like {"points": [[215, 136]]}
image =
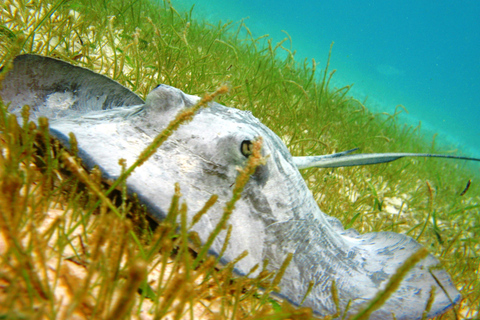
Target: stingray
{"points": [[276, 215]]}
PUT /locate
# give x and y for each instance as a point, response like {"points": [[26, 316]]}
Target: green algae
{"points": [[140, 45]]}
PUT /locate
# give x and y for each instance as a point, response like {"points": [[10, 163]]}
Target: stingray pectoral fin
{"points": [[345, 159], [361, 265], [56, 89], [385, 253]]}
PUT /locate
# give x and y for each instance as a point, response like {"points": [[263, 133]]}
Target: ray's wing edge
{"points": [[57, 89]]}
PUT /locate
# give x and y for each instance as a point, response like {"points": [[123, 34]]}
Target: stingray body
{"points": [[276, 214]]}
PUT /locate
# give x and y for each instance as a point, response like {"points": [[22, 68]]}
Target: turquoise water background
{"points": [[424, 55]]}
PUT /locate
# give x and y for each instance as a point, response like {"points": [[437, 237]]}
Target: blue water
{"points": [[424, 55]]}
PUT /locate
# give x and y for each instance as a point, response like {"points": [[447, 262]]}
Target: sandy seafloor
{"points": [[423, 55]]}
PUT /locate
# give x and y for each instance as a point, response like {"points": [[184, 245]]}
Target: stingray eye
{"points": [[246, 148]]}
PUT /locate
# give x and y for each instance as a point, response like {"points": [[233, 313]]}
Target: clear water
{"points": [[424, 55]]}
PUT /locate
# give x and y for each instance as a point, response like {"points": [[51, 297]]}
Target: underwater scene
{"points": [[421, 55], [239, 160]]}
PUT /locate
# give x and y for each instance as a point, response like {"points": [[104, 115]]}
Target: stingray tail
{"points": [[345, 159]]}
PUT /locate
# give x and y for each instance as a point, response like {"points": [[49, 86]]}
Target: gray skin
{"points": [[276, 214]]}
